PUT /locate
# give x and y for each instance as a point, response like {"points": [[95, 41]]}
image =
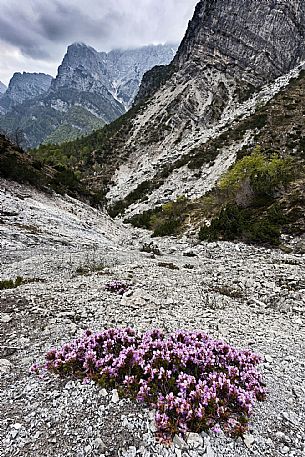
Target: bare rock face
{"points": [[256, 41], [242, 39], [232, 48], [81, 69]]}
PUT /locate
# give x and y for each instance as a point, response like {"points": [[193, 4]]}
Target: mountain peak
{"points": [[80, 47], [118, 71], [101, 86], [79, 43]]}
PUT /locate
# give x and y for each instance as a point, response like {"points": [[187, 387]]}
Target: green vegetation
{"points": [[13, 167], [78, 122], [93, 159], [83, 151], [11, 283], [164, 220], [266, 175], [42, 122], [19, 166], [249, 193], [236, 223], [138, 194]]}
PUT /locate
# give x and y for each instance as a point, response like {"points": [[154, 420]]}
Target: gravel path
{"points": [[250, 297]]}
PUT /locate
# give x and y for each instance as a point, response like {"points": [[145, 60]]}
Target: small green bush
{"points": [[229, 225], [143, 220], [11, 283], [265, 174], [166, 228], [65, 179], [264, 231], [246, 224], [247, 195], [163, 220], [167, 221]]}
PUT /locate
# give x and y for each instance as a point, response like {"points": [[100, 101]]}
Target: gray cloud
{"points": [[70, 21], [18, 34], [40, 30]]}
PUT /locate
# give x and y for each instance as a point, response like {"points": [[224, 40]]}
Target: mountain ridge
{"points": [[207, 81]]}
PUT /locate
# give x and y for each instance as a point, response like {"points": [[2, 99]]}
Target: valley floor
{"points": [[249, 296]]}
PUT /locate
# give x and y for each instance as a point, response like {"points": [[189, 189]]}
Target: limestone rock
{"points": [[5, 366]]}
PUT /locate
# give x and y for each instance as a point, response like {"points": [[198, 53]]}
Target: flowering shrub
{"points": [[195, 383], [118, 287]]}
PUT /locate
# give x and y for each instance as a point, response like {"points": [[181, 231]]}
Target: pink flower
{"points": [[190, 379]]}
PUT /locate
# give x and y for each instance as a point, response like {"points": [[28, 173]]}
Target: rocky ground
{"points": [[250, 297]]}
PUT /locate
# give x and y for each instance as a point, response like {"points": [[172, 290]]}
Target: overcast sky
{"points": [[34, 34]]}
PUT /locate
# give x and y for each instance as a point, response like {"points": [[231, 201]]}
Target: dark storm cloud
{"points": [[69, 21], [37, 30], [42, 29], [18, 33]]}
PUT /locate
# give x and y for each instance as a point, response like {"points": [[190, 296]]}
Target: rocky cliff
{"points": [[83, 79], [127, 68], [119, 71], [242, 39], [230, 50]]}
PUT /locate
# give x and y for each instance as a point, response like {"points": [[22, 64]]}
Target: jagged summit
{"points": [[119, 71], [79, 44], [28, 85]]}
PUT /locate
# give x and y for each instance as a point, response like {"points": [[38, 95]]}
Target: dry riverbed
{"points": [[251, 297]]}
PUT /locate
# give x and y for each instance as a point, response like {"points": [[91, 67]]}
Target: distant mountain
{"points": [[24, 86], [2, 88], [102, 86], [119, 71]]}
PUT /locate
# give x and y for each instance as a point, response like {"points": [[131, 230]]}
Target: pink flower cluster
{"points": [[118, 287], [195, 383]]}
